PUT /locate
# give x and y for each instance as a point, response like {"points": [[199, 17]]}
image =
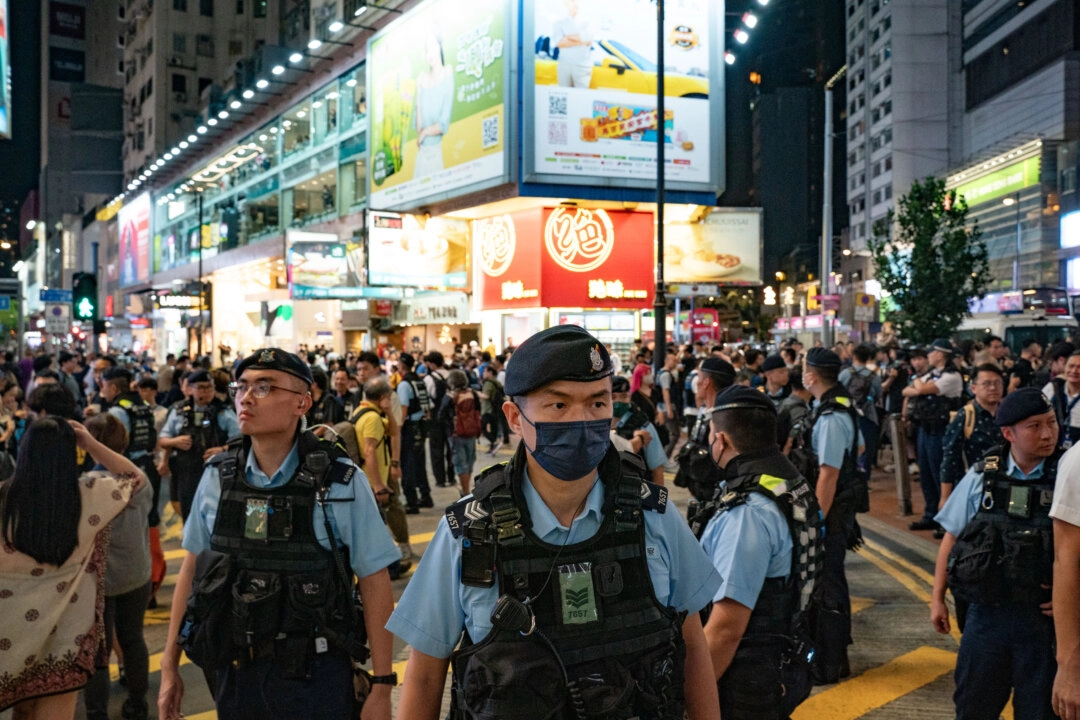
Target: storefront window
{"points": [[354, 183], [314, 200], [262, 217], [297, 128], [324, 113], [353, 98]]}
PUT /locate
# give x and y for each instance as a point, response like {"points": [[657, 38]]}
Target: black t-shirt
{"points": [[1023, 369]]}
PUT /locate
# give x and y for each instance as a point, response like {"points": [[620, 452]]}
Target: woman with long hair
{"points": [[52, 556]]}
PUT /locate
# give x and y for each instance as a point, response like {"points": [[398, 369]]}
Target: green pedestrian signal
{"points": [[84, 295]]}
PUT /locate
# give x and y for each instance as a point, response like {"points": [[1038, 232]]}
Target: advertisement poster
{"points": [[5, 69], [134, 221], [323, 266], [724, 249], [585, 258], [415, 251], [594, 71], [436, 80]]}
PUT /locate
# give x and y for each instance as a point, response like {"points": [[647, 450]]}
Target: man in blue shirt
{"points": [[253, 495], [996, 555], [628, 420], [416, 407], [569, 518]]}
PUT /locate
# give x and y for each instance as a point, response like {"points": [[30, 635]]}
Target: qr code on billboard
{"points": [[489, 131], [557, 105], [556, 133]]}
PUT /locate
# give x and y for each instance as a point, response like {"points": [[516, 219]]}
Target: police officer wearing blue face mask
{"points": [[564, 586]]}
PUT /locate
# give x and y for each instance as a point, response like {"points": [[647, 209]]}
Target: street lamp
{"points": [[1014, 199]]}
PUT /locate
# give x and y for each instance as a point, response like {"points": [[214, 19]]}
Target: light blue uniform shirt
{"points": [[226, 420], [354, 516], [121, 414], [832, 437], [405, 394], [747, 544], [964, 501], [654, 451], [436, 606]]}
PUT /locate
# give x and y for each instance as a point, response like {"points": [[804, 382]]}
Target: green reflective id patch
{"points": [[577, 596], [255, 523]]}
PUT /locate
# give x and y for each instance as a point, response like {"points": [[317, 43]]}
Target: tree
{"points": [[930, 262]]}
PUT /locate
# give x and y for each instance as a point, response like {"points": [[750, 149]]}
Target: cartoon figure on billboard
{"points": [[434, 101], [572, 36]]}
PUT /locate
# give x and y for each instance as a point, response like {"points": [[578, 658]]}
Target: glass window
{"points": [[324, 113], [314, 200], [353, 183], [297, 128], [206, 8], [179, 5], [267, 139], [179, 42], [353, 98], [262, 216], [204, 45], [259, 10], [179, 83]]}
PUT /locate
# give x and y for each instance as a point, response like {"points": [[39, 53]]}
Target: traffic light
{"points": [[85, 296]]}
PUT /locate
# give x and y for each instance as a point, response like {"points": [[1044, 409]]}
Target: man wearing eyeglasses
{"points": [[972, 433], [287, 511]]}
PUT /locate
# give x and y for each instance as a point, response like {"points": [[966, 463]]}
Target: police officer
{"points": [[285, 509], [997, 555], [936, 394], [138, 420], [697, 472], [628, 420], [416, 406], [973, 432], [562, 576], [196, 429], [830, 434], [750, 529], [776, 385]]}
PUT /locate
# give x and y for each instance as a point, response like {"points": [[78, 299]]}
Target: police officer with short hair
{"points": [[776, 385], [196, 429], [138, 419], [697, 472], [997, 555], [285, 510], [561, 588], [763, 530], [829, 446]]}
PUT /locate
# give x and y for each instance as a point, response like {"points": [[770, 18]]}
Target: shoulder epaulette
{"points": [[654, 497], [465, 511], [230, 448]]}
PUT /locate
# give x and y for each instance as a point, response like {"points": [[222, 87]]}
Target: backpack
{"points": [[346, 436], [466, 409], [859, 385], [689, 398], [441, 388], [969, 420], [498, 397]]}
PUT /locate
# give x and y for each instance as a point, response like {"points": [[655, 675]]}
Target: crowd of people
{"points": [[561, 579]]}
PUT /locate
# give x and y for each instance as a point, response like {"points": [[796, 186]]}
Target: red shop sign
{"points": [[507, 254]]}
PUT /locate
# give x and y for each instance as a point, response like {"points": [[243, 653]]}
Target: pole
{"points": [[660, 301], [1019, 239], [94, 247], [202, 300], [826, 208]]}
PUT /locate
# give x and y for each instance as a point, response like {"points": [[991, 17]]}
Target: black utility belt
{"points": [[286, 647]]}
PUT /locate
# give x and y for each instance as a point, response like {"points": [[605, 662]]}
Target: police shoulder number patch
{"points": [[654, 497]]}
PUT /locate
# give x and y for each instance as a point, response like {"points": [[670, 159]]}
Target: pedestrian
{"points": [[490, 409], [196, 429], [669, 401], [460, 418], [995, 556], [1054, 366], [442, 467], [69, 365], [414, 399], [1023, 370], [973, 432], [287, 663], [348, 399], [830, 434], [932, 396], [628, 420], [51, 518], [864, 388], [792, 410], [325, 409], [604, 631], [1065, 512], [127, 591], [777, 376], [763, 530], [1064, 394]]}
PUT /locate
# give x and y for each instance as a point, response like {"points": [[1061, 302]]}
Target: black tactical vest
{"points": [[205, 432], [932, 412], [142, 436], [577, 632], [1006, 553], [697, 471], [805, 459], [292, 598]]}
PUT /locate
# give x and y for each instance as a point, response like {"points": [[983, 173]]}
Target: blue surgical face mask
{"points": [[570, 450]]}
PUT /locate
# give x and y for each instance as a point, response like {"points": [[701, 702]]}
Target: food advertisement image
{"points": [[724, 249], [594, 92], [322, 266], [417, 251], [436, 79]]}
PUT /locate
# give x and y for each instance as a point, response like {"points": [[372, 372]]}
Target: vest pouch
{"points": [[974, 569], [206, 629], [861, 491], [307, 600], [256, 609], [1027, 563], [751, 687], [509, 675], [796, 672], [604, 688]]}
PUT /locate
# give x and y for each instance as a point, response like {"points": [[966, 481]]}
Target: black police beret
{"points": [[740, 397], [773, 362], [275, 359], [719, 367], [198, 376], [619, 384], [822, 358], [1021, 404], [564, 352], [943, 345], [116, 373]]}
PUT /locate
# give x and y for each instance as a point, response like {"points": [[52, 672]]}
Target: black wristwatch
{"points": [[390, 679]]}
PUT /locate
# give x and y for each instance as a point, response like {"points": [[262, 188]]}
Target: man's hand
{"points": [[645, 435], [377, 705], [171, 693], [1066, 694], [382, 493], [395, 472], [181, 442], [939, 617], [211, 452]]}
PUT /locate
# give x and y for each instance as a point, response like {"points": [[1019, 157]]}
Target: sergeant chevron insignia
{"points": [[475, 511]]}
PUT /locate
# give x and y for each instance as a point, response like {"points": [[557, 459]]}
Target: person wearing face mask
{"points": [[565, 573], [763, 530], [629, 423]]}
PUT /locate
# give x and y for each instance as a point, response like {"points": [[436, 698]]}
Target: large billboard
{"points": [[589, 86], [723, 249], [134, 220], [5, 70], [322, 266], [417, 251], [437, 83]]}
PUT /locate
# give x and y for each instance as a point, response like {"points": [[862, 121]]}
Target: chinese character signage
{"points": [[589, 86], [416, 251], [438, 124], [322, 266], [723, 249], [565, 257], [134, 221]]}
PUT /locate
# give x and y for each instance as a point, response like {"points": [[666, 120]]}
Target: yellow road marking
{"points": [[878, 687], [909, 582], [858, 604], [170, 580], [155, 665], [896, 559], [421, 538], [175, 554]]}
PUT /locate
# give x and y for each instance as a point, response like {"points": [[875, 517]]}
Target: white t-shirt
{"points": [[1074, 414], [950, 384], [1066, 505]]}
